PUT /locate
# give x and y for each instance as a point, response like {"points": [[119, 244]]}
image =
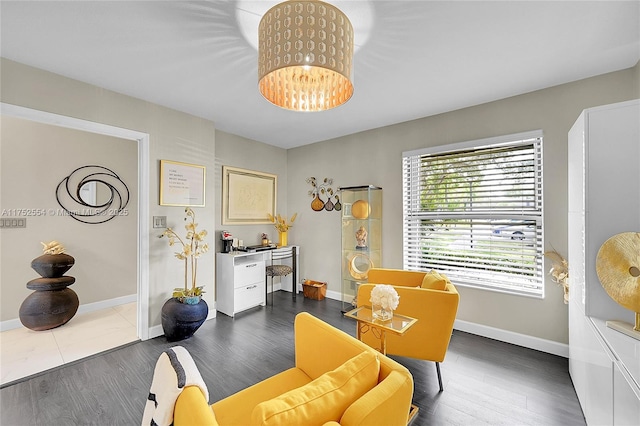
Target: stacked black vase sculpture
{"points": [[52, 304]]}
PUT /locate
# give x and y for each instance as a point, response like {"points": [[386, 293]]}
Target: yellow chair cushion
{"points": [[323, 399], [434, 281]]}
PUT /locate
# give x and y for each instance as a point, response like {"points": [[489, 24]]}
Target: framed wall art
{"points": [[248, 197], [181, 184]]}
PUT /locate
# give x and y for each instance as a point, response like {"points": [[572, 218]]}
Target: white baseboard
{"points": [[104, 304], [155, 331], [276, 287], [10, 324], [335, 295], [530, 342], [523, 340], [88, 307]]}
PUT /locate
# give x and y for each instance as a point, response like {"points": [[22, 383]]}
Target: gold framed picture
{"points": [[248, 196], [181, 184]]}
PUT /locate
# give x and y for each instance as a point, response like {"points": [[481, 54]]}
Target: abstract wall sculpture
{"points": [[93, 194], [320, 190]]}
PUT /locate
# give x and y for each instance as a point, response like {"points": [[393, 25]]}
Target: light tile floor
{"points": [[24, 352]]}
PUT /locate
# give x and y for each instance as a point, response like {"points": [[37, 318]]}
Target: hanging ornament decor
{"points": [[328, 206], [318, 190], [317, 204], [337, 205]]}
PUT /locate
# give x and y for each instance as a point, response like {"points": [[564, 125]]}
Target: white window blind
{"points": [[475, 213]]}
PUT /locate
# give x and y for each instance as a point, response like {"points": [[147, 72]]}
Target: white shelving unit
{"points": [[604, 200], [361, 216]]}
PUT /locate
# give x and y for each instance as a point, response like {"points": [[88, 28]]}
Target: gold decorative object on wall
{"points": [[318, 190], [618, 268]]}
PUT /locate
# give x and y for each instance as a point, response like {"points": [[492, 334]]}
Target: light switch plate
{"points": [[159, 221]]}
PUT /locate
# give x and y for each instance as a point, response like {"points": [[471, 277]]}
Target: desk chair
{"points": [[279, 270]]}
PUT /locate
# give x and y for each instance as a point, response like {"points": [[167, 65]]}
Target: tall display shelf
{"points": [[361, 238], [604, 200]]}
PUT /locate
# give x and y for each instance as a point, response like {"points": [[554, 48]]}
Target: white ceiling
{"points": [[415, 59]]}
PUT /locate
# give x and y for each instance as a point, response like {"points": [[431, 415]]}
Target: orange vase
{"points": [[317, 204]]}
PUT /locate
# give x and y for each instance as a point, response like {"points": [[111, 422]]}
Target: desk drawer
{"points": [[248, 296], [250, 272]]}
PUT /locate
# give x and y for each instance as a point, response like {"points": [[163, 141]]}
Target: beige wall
{"points": [[35, 158], [236, 151], [173, 136], [374, 157]]}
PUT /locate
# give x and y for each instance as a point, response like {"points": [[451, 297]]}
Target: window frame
{"points": [[414, 235]]}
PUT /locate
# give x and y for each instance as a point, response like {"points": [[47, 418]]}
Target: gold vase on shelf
{"points": [[282, 238], [282, 225]]}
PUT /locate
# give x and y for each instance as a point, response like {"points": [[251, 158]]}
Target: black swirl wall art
{"points": [[93, 194]]}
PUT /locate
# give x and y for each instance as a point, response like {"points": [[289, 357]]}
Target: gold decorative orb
{"points": [[361, 209], [618, 268]]}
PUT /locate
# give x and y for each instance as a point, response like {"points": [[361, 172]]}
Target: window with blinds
{"points": [[474, 212]]}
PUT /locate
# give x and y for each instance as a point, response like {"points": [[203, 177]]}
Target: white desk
{"points": [[241, 283]]}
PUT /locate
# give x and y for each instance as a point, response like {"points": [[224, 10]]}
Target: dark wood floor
{"points": [[486, 381]]}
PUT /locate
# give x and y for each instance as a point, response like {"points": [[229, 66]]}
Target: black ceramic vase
{"points": [[180, 320]]}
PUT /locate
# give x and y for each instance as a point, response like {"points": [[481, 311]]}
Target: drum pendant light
{"points": [[305, 56]]}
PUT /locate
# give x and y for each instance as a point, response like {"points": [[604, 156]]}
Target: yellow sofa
{"points": [[431, 298], [320, 351]]}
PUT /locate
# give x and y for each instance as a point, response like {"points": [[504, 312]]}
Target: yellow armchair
{"points": [[435, 310], [320, 351]]}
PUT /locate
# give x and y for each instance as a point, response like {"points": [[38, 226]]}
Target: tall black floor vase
{"points": [[180, 320]]}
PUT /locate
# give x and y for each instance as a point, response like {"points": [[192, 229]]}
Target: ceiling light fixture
{"points": [[305, 56]]}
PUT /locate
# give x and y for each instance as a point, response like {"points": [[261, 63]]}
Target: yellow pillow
{"points": [[434, 281], [325, 398]]}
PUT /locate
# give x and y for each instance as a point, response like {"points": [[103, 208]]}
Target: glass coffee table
{"points": [[398, 324]]}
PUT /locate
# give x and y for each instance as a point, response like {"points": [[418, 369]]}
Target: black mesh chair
{"points": [[279, 270]]}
